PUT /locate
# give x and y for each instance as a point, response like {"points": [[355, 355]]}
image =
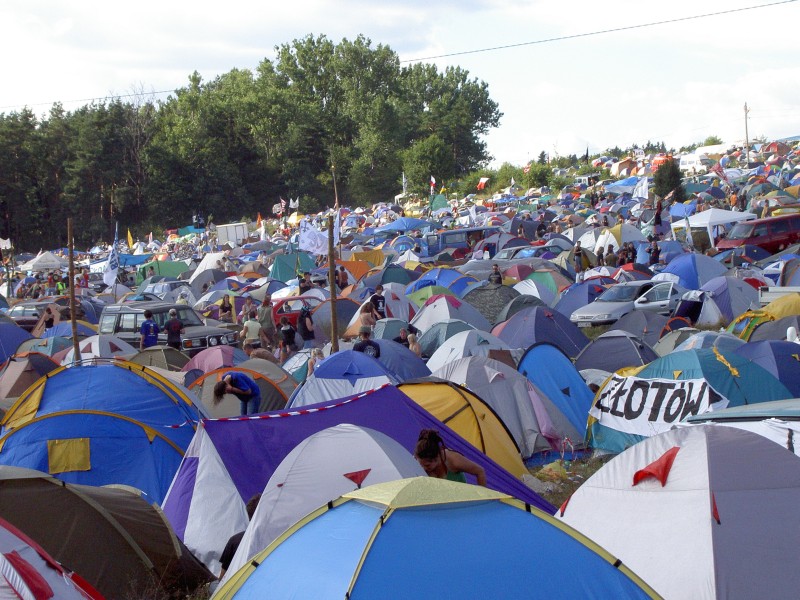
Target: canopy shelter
{"points": [[712, 222]]}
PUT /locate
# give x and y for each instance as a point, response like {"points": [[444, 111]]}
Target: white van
{"points": [[695, 164]]}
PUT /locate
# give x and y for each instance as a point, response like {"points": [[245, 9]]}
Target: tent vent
{"points": [[617, 563], [330, 504], [790, 441], [255, 563]]}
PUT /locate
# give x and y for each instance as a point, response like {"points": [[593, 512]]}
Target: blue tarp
{"points": [[404, 224], [134, 260]]}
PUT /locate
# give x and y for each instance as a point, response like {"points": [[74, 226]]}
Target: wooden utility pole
{"points": [[746, 138], [335, 193], [71, 246], [332, 282]]}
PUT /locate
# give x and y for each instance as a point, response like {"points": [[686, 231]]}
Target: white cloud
{"points": [[677, 82]]}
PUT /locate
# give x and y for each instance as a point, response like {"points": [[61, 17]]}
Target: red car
{"points": [[772, 234], [291, 307]]}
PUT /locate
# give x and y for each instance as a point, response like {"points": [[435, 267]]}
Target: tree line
{"points": [[231, 147]]}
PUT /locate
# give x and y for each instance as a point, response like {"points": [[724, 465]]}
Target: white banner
{"points": [[5, 244], [312, 240], [651, 406]]}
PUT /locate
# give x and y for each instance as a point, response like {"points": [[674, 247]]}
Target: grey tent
{"points": [[440, 333], [614, 350], [490, 299], [516, 305], [645, 325]]}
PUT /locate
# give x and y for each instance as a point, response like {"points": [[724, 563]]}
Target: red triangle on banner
{"points": [[659, 468], [358, 477]]}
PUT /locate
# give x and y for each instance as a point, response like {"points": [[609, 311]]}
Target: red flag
{"points": [[482, 182], [258, 220], [358, 477], [659, 468]]}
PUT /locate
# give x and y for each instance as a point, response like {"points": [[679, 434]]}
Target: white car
{"points": [[622, 298]]}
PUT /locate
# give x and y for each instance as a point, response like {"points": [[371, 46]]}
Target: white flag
{"points": [[312, 240], [294, 203], [641, 190], [337, 227], [112, 264], [513, 183], [689, 240], [473, 215]]}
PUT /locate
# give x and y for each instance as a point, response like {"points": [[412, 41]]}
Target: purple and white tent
{"points": [[231, 460]]}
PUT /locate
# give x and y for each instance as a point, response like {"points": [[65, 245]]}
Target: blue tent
{"points": [[342, 374], [729, 373], [96, 425], [694, 270], [450, 278], [11, 336], [401, 361], [622, 186], [582, 293], [541, 324], [781, 359], [480, 544], [560, 382], [404, 224], [64, 329]]}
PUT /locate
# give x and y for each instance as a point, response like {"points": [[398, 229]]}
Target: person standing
{"points": [[305, 327], [577, 260], [251, 329], [174, 328], [378, 303], [149, 331], [655, 253], [305, 283], [342, 280], [495, 277], [287, 334], [264, 316], [226, 310], [241, 386], [366, 345]]}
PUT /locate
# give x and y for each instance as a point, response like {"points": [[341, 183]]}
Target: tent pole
{"points": [[71, 246]]}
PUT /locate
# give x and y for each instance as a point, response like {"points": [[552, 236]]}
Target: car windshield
{"points": [[741, 231], [620, 293]]}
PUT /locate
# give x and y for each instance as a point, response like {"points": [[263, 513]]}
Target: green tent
{"points": [[439, 201], [168, 268], [287, 266]]}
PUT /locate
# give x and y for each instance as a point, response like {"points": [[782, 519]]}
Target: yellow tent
{"points": [[470, 417], [294, 218]]}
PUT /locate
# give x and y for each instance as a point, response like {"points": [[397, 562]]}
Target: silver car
{"points": [[622, 298]]}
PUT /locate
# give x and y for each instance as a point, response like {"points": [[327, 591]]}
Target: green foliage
{"points": [[238, 143], [712, 140], [668, 179]]}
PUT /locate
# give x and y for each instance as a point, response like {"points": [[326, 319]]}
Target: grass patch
{"points": [[560, 480]]}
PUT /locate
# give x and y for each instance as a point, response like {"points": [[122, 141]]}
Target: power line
{"points": [[601, 32], [480, 50]]}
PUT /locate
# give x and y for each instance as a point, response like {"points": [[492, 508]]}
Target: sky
{"points": [[581, 74]]}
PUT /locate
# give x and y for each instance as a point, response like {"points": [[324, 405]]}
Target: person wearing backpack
{"points": [[305, 327]]}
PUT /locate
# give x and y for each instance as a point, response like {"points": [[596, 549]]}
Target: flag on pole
{"points": [[513, 182], [405, 183], [689, 240], [337, 227], [473, 215], [149, 238], [526, 168], [642, 188], [295, 204], [433, 184], [283, 206], [112, 264], [130, 239], [482, 183], [258, 221], [717, 168]]}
